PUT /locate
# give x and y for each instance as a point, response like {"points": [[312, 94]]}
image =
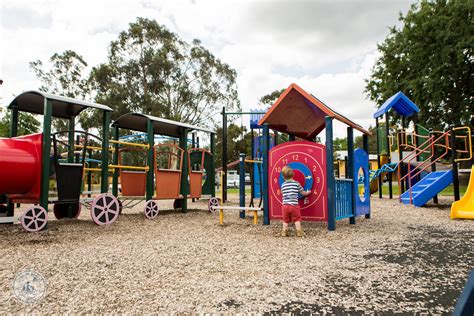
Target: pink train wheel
{"points": [[151, 209], [213, 202], [34, 219], [105, 209]]}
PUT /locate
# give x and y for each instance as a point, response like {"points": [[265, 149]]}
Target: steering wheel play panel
{"points": [[308, 161]]}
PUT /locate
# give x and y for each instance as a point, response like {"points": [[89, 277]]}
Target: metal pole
{"points": [[44, 189], [115, 162], [252, 166], [400, 165], [242, 183], [351, 172], [193, 145], [389, 174], [454, 164], [212, 172], [433, 164], [89, 176], [365, 145], [377, 126], [183, 142], [104, 183], [330, 174], [150, 160], [264, 179], [224, 156]]}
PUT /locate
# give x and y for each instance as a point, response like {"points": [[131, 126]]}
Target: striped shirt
{"points": [[290, 190]]}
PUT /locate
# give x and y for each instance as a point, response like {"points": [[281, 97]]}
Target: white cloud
{"points": [[327, 47]]}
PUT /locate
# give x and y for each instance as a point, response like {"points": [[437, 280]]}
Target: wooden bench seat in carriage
{"points": [[196, 172], [168, 166], [132, 182]]}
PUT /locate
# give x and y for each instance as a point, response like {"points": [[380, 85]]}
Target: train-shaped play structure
{"points": [[56, 169]]}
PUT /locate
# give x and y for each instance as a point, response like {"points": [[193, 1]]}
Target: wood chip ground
{"points": [[402, 260]]}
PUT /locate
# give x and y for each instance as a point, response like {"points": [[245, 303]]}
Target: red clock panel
{"points": [[308, 160]]}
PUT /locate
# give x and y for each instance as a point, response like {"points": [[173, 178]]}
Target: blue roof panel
{"points": [[400, 103]]}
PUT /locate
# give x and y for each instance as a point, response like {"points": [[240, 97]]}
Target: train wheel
{"points": [[105, 209], [178, 204], [34, 219], [213, 202], [151, 209], [61, 210]]}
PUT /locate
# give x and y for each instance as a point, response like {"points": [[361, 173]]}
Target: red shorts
{"points": [[291, 213]]}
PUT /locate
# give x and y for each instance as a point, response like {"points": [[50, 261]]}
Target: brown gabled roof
{"points": [[302, 114]]}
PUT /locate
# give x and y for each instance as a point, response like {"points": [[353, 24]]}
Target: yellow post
{"points": [[222, 187], [255, 217], [221, 216]]}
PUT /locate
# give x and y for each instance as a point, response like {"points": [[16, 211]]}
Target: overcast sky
{"points": [[326, 46]]}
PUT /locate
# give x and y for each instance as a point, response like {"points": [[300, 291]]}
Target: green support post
{"points": [[151, 167], [350, 172], [183, 143], [212, 173], [242, 183], [330, 174], [115, 162], [104, 183], [44, 188], [70, 149]]}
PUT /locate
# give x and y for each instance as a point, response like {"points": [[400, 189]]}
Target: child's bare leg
{"points": [[284, 232], [297, 225]]}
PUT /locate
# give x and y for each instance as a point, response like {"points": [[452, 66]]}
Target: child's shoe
{"points": [[300, 233], [284, 233]]}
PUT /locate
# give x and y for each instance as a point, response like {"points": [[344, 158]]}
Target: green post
{"points": [[44, 188], [212, 173], [70, 149], [183, 142], [151, 167], [104, 183], [115, 162]]}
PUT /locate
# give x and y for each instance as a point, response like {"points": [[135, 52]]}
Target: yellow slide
{"points": [[464, 208], [374, 184]]}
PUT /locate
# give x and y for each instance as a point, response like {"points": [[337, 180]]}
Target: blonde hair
{"points": [[287, 173]]}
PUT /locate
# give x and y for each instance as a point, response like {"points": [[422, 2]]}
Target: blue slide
{"points": [[428, 187]]}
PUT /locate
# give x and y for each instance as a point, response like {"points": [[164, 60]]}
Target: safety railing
{"points": [[343, 198], [424, 165]]}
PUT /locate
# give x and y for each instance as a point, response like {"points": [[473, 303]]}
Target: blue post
{"points": [[330, 174], [266, 147], [365, 142], [350, 171], [242, 183]]}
